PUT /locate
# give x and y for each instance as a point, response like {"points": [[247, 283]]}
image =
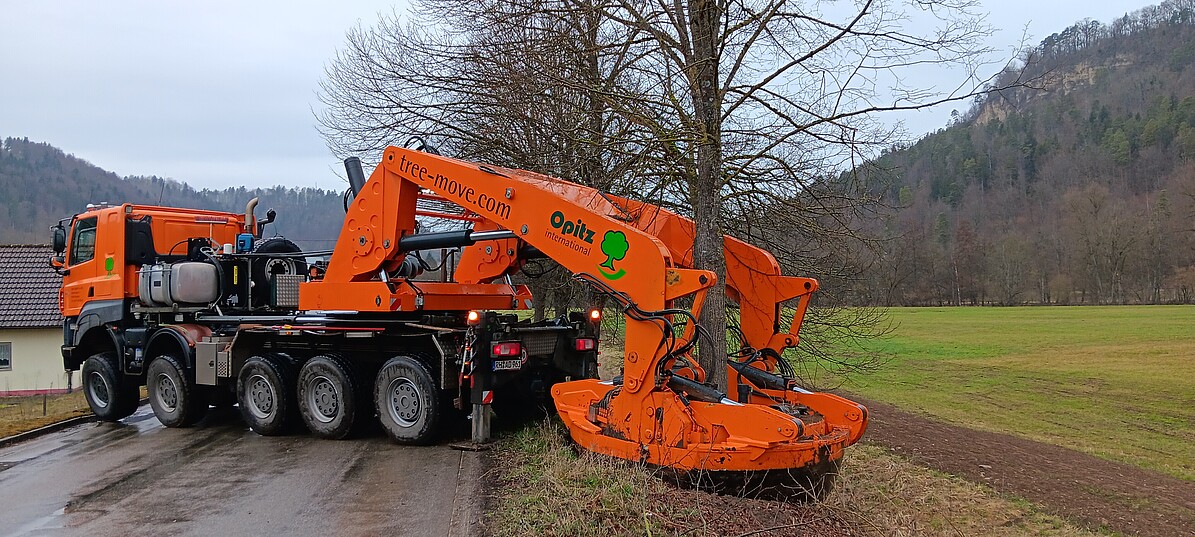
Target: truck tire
{"points": [[175, 400], [407, 401], [328, 396], [110, 395], [265, 391]]}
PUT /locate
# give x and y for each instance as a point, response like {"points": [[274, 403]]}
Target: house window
{"points": [[5, 356]]}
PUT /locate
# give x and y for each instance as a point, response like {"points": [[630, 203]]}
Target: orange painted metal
{"points": [[106, 275], [404, 295], [639, 250]]}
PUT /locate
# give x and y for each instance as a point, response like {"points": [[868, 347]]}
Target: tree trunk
{"points": [[706, 191], [708, 255]]}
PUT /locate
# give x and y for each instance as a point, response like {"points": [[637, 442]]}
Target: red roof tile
{"points": [[28, 287]]}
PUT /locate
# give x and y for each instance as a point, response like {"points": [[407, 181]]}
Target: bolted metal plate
{"points": [[286, 290]]}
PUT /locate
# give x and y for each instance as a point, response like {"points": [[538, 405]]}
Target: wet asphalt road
{"points": [[219, 478]]}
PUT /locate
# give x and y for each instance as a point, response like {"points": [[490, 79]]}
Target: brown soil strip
{"points": [[1087, 489]]}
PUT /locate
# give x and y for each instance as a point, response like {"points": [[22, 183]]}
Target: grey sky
{"points": [[220, 93]]}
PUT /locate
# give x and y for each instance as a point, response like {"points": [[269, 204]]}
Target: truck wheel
{"points": [[109, 394], [174, 399], [328, 396], [407, 401], [265, 391]]}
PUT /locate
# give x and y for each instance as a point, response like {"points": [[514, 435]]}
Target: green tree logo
{"points": [[615, 246]]}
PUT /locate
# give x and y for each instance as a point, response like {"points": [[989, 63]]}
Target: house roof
{"points": [[28, 287]]}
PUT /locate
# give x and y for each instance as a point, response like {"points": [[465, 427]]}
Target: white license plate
{"points": [[508, 365]]}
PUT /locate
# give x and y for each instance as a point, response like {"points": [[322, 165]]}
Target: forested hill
{"points": [[39, 184], [1078, 190]]}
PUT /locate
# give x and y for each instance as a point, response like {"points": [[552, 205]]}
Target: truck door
{"points": [[78, 286]]}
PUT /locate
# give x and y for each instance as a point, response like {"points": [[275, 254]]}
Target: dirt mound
{"points": [[1087, 489]]}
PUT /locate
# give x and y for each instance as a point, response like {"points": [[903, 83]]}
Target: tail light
{"points": [[585, 344], [507, 348]]}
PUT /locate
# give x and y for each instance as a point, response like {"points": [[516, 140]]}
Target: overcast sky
{"points": [[221, 93]]}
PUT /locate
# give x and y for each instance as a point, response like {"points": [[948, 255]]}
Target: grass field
{"points": [[546, 488], [20, 414], [1116, 382]]}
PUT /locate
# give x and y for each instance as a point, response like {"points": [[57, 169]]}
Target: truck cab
{"points": [[99, 254]]}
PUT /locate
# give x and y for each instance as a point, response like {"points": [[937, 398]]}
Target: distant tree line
{"points": [[40, 184], [1078, 192]]}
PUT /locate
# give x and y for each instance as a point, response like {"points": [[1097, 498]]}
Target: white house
{"points": [[30, 324]]}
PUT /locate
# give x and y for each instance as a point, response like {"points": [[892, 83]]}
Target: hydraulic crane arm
{"points": [[572, 224], [641, 255]]}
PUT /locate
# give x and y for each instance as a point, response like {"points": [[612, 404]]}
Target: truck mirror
{"points": [[58, 263], [59, 238]]}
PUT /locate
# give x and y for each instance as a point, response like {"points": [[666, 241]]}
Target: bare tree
{"points": [[1107, 237], [713, 108], [512, 83]]}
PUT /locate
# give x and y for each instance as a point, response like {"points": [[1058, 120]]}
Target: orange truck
{"points": [[203, 310]]}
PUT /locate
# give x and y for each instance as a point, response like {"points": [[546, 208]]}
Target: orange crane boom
{"points": [[659, 411]]}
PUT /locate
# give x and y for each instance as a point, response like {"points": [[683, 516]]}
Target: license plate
{"points": [[508, 365]]}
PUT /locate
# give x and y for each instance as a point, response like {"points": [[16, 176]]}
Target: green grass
{"points": [[547, 488], [1116, 382], [21, 414]]}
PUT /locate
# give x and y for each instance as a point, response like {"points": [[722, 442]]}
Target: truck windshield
{"points": [[83, 241]]}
